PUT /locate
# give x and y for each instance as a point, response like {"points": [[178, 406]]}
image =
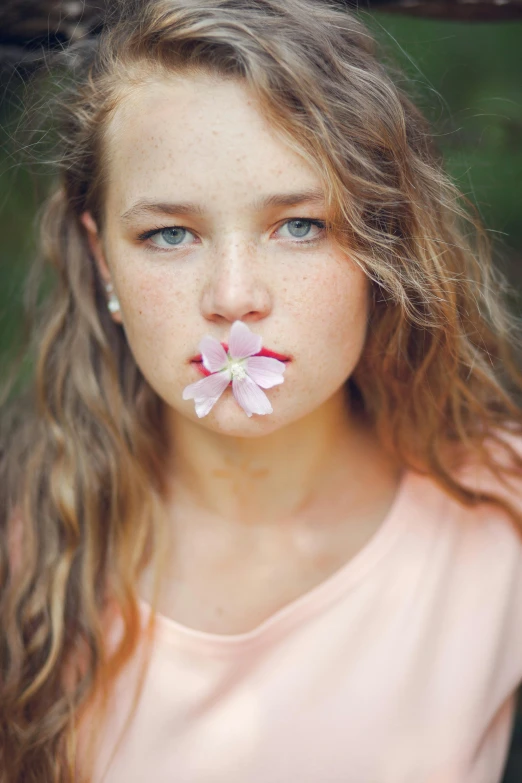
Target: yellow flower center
{"points": [[237, 369]]}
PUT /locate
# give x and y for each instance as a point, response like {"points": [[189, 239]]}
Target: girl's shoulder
{"points": [[475, 558], [495, 468], [492, 521], [480, 533]]}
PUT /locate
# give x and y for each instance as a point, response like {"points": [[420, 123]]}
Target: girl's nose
{"points": [[236, 286]]}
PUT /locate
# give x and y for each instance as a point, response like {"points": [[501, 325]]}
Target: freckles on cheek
{"points": [[338, 305], [155, 313], [157, 301], [320, 295]]}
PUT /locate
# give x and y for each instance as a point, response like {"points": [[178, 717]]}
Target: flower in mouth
{"points": [[239, 365]]}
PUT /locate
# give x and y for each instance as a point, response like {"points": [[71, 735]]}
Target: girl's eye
{"points": [[172, 236], [300, 227]]}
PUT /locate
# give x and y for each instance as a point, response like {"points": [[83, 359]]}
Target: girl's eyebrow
{"points": [[146, 207]]}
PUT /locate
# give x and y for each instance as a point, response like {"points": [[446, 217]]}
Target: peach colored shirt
{"points": [[401, 667]]}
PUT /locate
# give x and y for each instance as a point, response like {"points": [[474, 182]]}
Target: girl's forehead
{"points": [[189, 110], [205, 135]]}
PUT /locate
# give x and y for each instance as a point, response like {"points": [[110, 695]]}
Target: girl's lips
{"points": [[262, 352], [196, 360]]}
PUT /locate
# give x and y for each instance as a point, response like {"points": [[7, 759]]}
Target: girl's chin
{"points": [[228, 415]]}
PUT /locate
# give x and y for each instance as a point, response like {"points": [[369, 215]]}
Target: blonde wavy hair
{"points": [[82, 451]]}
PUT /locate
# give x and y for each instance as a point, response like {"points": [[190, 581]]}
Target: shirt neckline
{"points": [[347, 576]]}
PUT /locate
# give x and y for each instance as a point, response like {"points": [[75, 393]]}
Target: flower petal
{"points": [[205, 404], [211, 386], [213, 354], [242, 342], [265, 370], [250, 397]]}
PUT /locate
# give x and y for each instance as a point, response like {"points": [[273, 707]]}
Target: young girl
{"points": [[262, 502]]}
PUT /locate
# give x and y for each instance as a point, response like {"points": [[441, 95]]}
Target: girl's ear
{"points": [[96, 246]]}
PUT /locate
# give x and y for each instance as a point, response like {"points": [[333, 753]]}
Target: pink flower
{"points": [[241, 366]]}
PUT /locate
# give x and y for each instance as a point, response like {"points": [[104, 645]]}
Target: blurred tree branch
{"points": [[27, 27], [458, 10]]}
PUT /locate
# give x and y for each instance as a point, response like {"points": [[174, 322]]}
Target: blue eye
{"points": [[171, 236], [164, 238], [300, 227]]}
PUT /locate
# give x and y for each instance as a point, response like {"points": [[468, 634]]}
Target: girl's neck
{"points": [[290, 475]]}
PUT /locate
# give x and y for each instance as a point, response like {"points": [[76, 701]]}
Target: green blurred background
{"points": [[468, 80]]}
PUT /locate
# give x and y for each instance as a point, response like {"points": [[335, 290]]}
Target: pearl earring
{"points": [[112, 303]]}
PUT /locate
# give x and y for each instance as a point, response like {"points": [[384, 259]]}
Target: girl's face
{"points": [[211, 218]]}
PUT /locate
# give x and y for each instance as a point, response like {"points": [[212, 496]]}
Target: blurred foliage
{"points": [[467, 80]]}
